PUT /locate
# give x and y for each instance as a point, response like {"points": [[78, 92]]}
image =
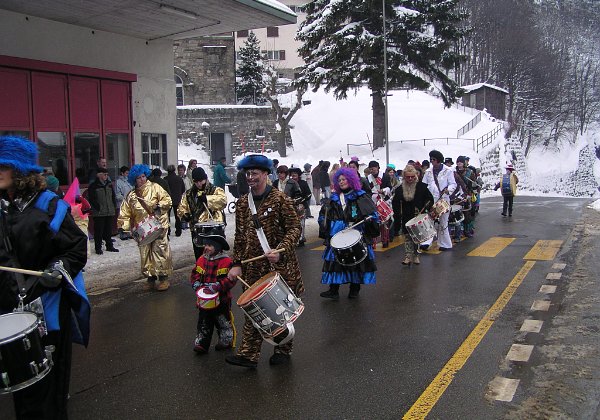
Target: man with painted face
{"points": [[276, 215]]}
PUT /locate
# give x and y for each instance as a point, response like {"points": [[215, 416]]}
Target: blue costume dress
{"points": [[334, 218]]}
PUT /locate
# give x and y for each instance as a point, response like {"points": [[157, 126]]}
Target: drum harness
{"points": [[442, 192]]}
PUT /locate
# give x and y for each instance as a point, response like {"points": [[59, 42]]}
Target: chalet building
{"points": [[90, 79], [484, 96]]}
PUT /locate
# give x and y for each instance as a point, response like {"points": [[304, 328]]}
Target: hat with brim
{"points": [[509, 166], [20, 154], [216, 238], [256, 162], [295, 171]]}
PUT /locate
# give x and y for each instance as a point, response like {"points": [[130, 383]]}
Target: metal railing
{"points": [[469, 126], [487, 139]]}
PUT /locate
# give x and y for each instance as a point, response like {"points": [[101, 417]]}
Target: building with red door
{"points": [[89, 79]]}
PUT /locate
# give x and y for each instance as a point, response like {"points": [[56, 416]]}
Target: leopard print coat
{"points": [[279, 220]]}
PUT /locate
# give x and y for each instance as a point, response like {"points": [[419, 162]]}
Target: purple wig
{"points": [[351, 176]]}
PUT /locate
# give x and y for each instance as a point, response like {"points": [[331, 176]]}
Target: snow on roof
{"points": [[276, 5], [470, 88]]}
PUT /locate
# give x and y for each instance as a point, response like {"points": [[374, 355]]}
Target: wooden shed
{"points": [[485, 96]]}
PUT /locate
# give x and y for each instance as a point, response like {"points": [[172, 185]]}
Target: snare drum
{"points": [[23, 359], [147, 231], [205, 229], [348, 247], [456, 214], [421, 228], [384, 209], [205, 300], [440, 207], [272, 307]]}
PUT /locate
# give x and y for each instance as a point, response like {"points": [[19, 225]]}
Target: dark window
{"points": [[260, 132], [179, 90], [272, 31], [154, 149], [242, 34], [282, 54]]}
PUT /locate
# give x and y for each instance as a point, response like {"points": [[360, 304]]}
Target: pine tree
{"points": [[343, 48], [250, 72]]}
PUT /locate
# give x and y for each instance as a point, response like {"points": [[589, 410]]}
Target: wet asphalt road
{"points": [[370, 357]]}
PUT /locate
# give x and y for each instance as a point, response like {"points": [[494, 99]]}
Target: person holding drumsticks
{"points": [[155, 257], [37, 232], [349, 205], [412, 198], [265, 220]]}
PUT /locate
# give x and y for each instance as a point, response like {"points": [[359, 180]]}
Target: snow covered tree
{"points": [[250, 72], [284, 110], [343, 48]]}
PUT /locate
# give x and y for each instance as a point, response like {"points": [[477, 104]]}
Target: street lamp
{"points": [[385, 88]]}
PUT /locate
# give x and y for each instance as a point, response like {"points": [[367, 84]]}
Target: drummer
{"points": [[348, 205], [38, 233], [276, 218], [202, 203], [155, 257], [210, 276], [412, 197]]}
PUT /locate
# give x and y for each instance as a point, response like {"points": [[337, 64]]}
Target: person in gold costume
{"points": [[155, 257], [202, 203]]}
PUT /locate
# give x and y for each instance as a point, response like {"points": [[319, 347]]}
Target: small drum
{"points": [[348, 247], [147, 231], [23, 359], [420, 228], [205, 300], [440, 207], [272, 307], [384, 209], [456, 214], [205, 229]]}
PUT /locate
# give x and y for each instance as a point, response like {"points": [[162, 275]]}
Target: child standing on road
{"points": [[213, 294]]}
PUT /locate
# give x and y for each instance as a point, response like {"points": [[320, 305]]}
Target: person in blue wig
{"points": [[348, 206], [37, 233], [148, 199]]}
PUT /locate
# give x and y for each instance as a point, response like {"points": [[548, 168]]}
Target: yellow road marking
{"points": [[319, 248], [491, 247], [543, 251], [444, 378]]}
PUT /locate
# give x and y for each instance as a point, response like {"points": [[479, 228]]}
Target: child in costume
{"points": [[208, 278]]}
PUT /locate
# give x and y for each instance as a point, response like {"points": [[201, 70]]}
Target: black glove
{"points": [[202, 199], [51, 278]]}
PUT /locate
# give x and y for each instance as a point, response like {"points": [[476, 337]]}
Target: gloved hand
{"points": [[213, 287], [186, 217], [51, 278], [202, 198], [196, 285]]}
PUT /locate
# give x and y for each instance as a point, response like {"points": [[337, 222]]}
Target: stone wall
{"points": [[206, 66]]}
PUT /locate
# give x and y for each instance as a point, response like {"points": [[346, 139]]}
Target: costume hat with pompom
{"points": [[137, 170], [256, 162], [20, 154]]}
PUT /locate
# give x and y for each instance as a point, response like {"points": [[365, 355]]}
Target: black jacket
{"points": [[176, 187]]}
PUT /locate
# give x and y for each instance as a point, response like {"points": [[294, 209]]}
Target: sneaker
{"points": [[503, 214], [113, 249], [279, 359], [329, 294], [236, 360], [163, 285], [416, 260]]}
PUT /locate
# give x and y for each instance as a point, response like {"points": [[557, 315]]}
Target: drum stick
{"points": [[208, 211], [262, 256], [242, 280], [22, 271], [359, 223]]}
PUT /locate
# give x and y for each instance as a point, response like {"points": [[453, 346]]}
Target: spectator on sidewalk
{"points": [[177, 189], [220, 177], [103, 201]]}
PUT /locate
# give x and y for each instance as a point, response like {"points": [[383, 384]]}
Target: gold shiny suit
{"points": [[216, 200], [155, 258]]}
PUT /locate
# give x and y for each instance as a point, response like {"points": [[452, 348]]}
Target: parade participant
{"points": [[242, 183], [316, 182], [156, 177], [301, 200], [192, 164], [285, 184], [364, 183], [275, 225], [411, 198], [104, 207], [440, 181], [273, 174], [38, 233], [424, 166], [508, 182], [193, 206], [468, 177], [449, 162], [378, 193], [177, 189], [307, 176], [479, 187], [149, 199], [210, 276], [348, 205], [374, 178], [220, 177]]}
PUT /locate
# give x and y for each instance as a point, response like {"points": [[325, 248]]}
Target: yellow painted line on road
{"points": [[443, 379], [543, 250], [491, 247], [319, 248]]}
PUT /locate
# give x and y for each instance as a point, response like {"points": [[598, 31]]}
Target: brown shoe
{"points": [[406, 261], [416, 260], [163, 285]]}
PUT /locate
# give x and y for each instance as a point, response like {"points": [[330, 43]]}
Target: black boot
{"points": [[354, 290], [332, 293]]}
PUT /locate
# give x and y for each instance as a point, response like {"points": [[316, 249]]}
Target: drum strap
{"points": [[143, 203], [437, 184], [343, 201], [262, 238]]}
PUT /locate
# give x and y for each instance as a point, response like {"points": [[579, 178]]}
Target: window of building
{"points": [[86, 151], [272, 31], [473, 100], [242, 34], [297, 9], [154, 150], [260, 132], [179, 90], [274, 55]]}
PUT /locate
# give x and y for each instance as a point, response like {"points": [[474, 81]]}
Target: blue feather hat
{"points": [[20, 154], [137, 170], [256, 162]]}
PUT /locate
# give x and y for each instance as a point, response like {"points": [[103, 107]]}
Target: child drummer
{"points": [[212, 287]]}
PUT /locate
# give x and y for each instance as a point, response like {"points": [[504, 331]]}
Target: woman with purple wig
{"points": [[348, 205]]}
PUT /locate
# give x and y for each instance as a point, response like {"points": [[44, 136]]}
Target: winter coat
{"points": [[122, 189], [102, 199], [220, 178], [406, 210], [162, 182], [291, 189], [176, 187]]}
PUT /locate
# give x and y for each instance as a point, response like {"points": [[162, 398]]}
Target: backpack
{"points": [[505, 185]]}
